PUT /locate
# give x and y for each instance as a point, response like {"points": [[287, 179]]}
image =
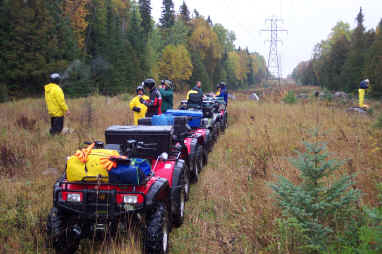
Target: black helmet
{"points": [[139, 88], [55, 78], [149, 83]]}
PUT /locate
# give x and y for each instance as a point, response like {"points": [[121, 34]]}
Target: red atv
{"points": [[155, 201], [187, 140]]}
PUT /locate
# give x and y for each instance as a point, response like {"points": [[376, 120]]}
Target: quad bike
{"points": [[189, 141], [95, 207]]}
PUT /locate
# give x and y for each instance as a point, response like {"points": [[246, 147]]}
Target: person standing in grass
{"points": [[55, 102], [167, 95], [363, 86], [137, 107]]}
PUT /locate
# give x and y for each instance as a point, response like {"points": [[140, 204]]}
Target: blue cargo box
{"points": [[196, 116], [159, 120]]}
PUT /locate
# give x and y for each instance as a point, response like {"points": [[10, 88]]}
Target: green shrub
{"points": [[290, 98], [320, 205]]}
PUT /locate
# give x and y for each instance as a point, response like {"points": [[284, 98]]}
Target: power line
{"points": [[274, 62]]}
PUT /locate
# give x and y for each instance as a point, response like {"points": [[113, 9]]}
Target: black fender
{"points": [[158, 191], [57, 188], [185, 156], [176, 175], [193, 146], [178, 170]]}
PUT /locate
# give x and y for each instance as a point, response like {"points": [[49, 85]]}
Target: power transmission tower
{"points": [[273, 64]]}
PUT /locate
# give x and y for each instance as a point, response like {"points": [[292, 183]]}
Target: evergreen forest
{"points": [[111, 46], [345, 58]]}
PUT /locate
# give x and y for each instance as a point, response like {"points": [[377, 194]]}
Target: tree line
{"points": [[345, 58], [110, 46]]}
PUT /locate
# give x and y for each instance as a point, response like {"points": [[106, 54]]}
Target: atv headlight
{"points": [[130, 199], [74, 197]]}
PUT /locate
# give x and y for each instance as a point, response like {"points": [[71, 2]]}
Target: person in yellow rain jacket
{"points": [[55, 102], [361, 92], [139, 108]]}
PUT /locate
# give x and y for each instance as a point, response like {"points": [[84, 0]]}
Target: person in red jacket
{"points": [[154, 104]]}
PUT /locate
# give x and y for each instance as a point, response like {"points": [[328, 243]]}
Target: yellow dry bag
{"points": [[77, 170]]}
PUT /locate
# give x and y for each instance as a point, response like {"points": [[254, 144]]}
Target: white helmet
{"points": [[55, 78]]}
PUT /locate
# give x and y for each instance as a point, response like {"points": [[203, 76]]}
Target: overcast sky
{"points": [[307, 21]]}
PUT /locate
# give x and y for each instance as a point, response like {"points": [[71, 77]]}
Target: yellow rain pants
{"points": [[361, 95]]}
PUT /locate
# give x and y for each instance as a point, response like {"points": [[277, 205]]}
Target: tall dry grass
{"points": [[231, 209]]}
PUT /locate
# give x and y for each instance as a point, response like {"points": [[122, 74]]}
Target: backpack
{"points": [[134, 172]]}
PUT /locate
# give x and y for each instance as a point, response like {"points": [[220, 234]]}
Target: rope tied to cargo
{"points": [[111, 161], [83, 154]]}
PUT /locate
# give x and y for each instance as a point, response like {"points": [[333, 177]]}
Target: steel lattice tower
{"points": [[273, 64]]}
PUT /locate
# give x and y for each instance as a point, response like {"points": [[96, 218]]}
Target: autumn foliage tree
{"points": [[77, 12], [175, 63]]}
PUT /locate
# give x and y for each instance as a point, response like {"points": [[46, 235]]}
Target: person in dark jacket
{"points": [[195, 96], [154, 103], [167, 95]]}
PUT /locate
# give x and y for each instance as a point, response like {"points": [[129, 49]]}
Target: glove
{"points": [[136, 109], [141, 100]]}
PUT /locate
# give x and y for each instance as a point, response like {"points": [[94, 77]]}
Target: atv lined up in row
{"points": [[141, 175], [215, 119], [190, 141], [97, 205]]}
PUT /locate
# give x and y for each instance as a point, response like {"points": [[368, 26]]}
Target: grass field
{"points": [[231, 209]]}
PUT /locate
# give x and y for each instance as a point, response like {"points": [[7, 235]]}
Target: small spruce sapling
{"points": [[321, 202]]}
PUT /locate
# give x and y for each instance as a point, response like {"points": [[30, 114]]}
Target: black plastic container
{"points": [[155, 139], [181, 125], [145, 121]]}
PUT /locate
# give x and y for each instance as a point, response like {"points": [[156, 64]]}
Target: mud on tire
{"points": [[157, 231]]}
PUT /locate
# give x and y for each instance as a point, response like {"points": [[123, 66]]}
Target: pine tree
{"points": [[145, 10], [95, 42], [185, 13], [336, 60], [199, 72], [33, 46], [167, 19], [209, 20], [4, 41], [352, 73], [373, 67], [320, 203], [135, 36], [196, 14]]}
